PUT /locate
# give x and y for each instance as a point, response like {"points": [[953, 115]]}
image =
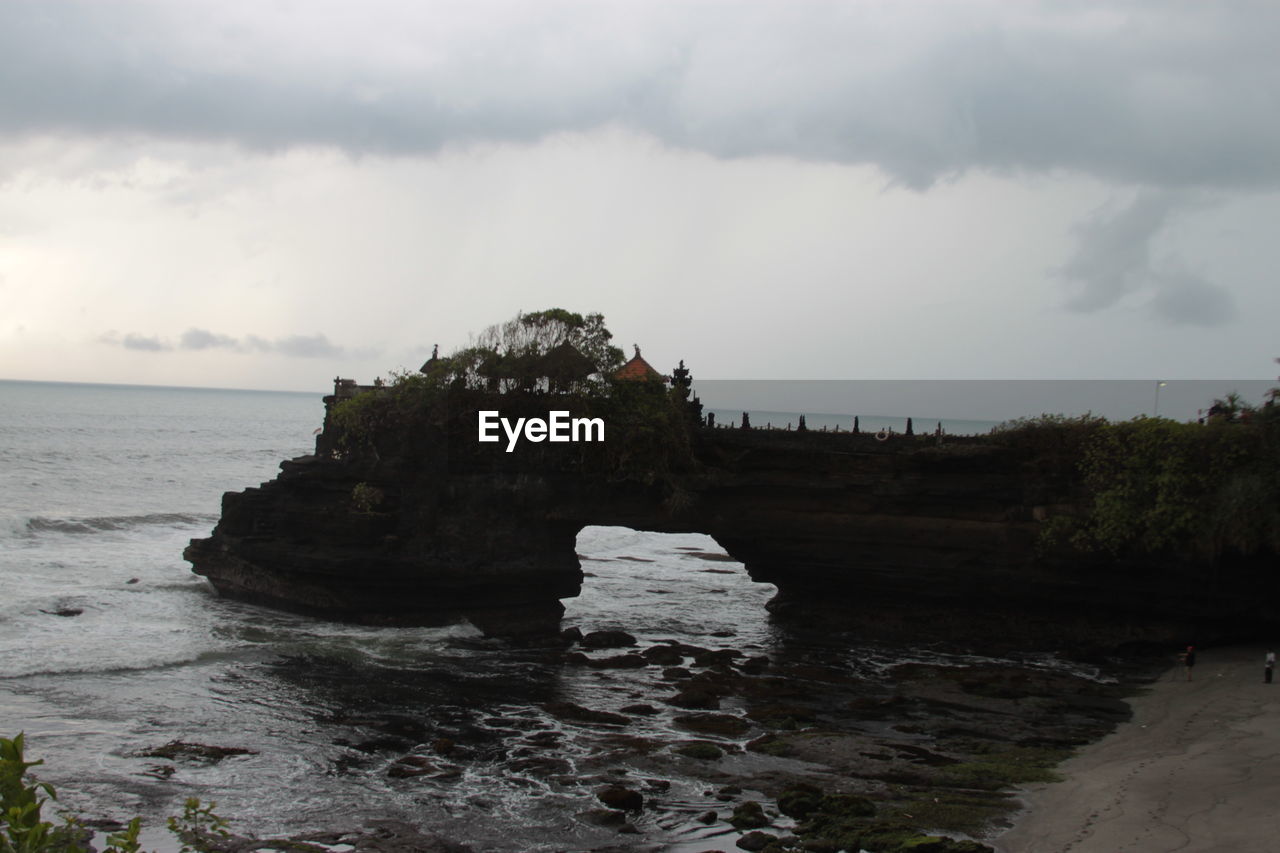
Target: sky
{"points": [[271, 194]]}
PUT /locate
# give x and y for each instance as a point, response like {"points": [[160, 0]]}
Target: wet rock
{"points": [[663, 655], [619, 662], [701, 750], [621, 798], [393, 836], [64, 611], [718, 657], [443, 746], [569, 636], [544, 739], [676, 673], [755, 841], [755, 665], [748, 815], [570, 712], [640, 710], [785, 717], [725, 725], [800, 800], [607, 640], [708, 818], [602, 817], [411, 766], [699, 695], [199, 752]]}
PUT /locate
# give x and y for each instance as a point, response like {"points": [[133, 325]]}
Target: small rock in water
{"points": [[757, 840], [578, 714], [64, 611], [621, 798], [176, 749], [132, 580], [607, 640], [410, 766], [749, 815]]}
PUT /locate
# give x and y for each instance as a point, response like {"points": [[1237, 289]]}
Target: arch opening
{"points": [[666, 585]]}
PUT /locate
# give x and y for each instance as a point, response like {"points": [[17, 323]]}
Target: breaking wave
{"points": [[40, 525]]}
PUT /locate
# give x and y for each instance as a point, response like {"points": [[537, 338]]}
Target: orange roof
{"points": [[639, 369]]}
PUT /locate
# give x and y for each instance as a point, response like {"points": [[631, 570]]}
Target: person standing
{"points": [[1269, 663]]}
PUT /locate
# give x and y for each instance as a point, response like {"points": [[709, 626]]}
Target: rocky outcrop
{"points": [[906, 538]]}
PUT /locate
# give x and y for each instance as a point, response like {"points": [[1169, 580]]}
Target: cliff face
{"points": [[904, 538]]}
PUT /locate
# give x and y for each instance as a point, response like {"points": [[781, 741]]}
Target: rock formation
{"points": [[910, 538]]}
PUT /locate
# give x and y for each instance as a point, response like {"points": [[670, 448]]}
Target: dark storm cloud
{"points": [[294, 346], [1113, 256], [1187, 299], [1113, 259], [1158, 93]]}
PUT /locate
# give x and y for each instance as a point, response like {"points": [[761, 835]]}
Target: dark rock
{"points": [[748, 815], [800, 800], [699, 696], [410, 766], [607, 640], [663, 655], [65, 611], [708, 818], [619, 662], [676, 673], [203, 753], [755, 841], [725, 725], [701, 750], [602, 817], [718, 657], [621, 798], [577, 714], [755, 665], [640, 710]]}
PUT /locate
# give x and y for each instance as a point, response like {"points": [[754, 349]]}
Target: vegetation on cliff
{"points": [[553, 359], [1157, 486]]}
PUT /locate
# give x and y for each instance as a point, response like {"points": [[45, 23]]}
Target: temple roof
{"points": [[566, 362], [638, 369]]}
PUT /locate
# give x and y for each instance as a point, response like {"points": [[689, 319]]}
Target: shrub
{"points": [[25, 829]]}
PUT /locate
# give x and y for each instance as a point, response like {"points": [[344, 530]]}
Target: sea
{"points": [[111, 648]]}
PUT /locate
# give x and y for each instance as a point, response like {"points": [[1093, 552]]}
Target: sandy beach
{"points": [[1195, 770]]}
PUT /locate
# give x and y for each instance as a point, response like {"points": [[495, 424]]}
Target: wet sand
{"points": [[1197, 769]]}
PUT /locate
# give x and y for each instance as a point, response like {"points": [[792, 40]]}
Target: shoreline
{"points": [[1194, 770]]}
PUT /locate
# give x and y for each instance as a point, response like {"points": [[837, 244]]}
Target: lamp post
{"points": [[1156, 411]]}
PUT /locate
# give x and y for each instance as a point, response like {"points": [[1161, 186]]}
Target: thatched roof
{"points": [[566, 363]]}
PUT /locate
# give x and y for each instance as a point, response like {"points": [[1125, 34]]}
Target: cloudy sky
{"points": [[268, 194]]}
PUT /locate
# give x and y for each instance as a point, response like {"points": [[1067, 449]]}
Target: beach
{"points": [[1195, 770]]}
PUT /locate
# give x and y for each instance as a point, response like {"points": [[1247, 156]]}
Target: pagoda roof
{"points": [[637, 369]]}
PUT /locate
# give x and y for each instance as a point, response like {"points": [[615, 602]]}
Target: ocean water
{"points": [[110, 647]]}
